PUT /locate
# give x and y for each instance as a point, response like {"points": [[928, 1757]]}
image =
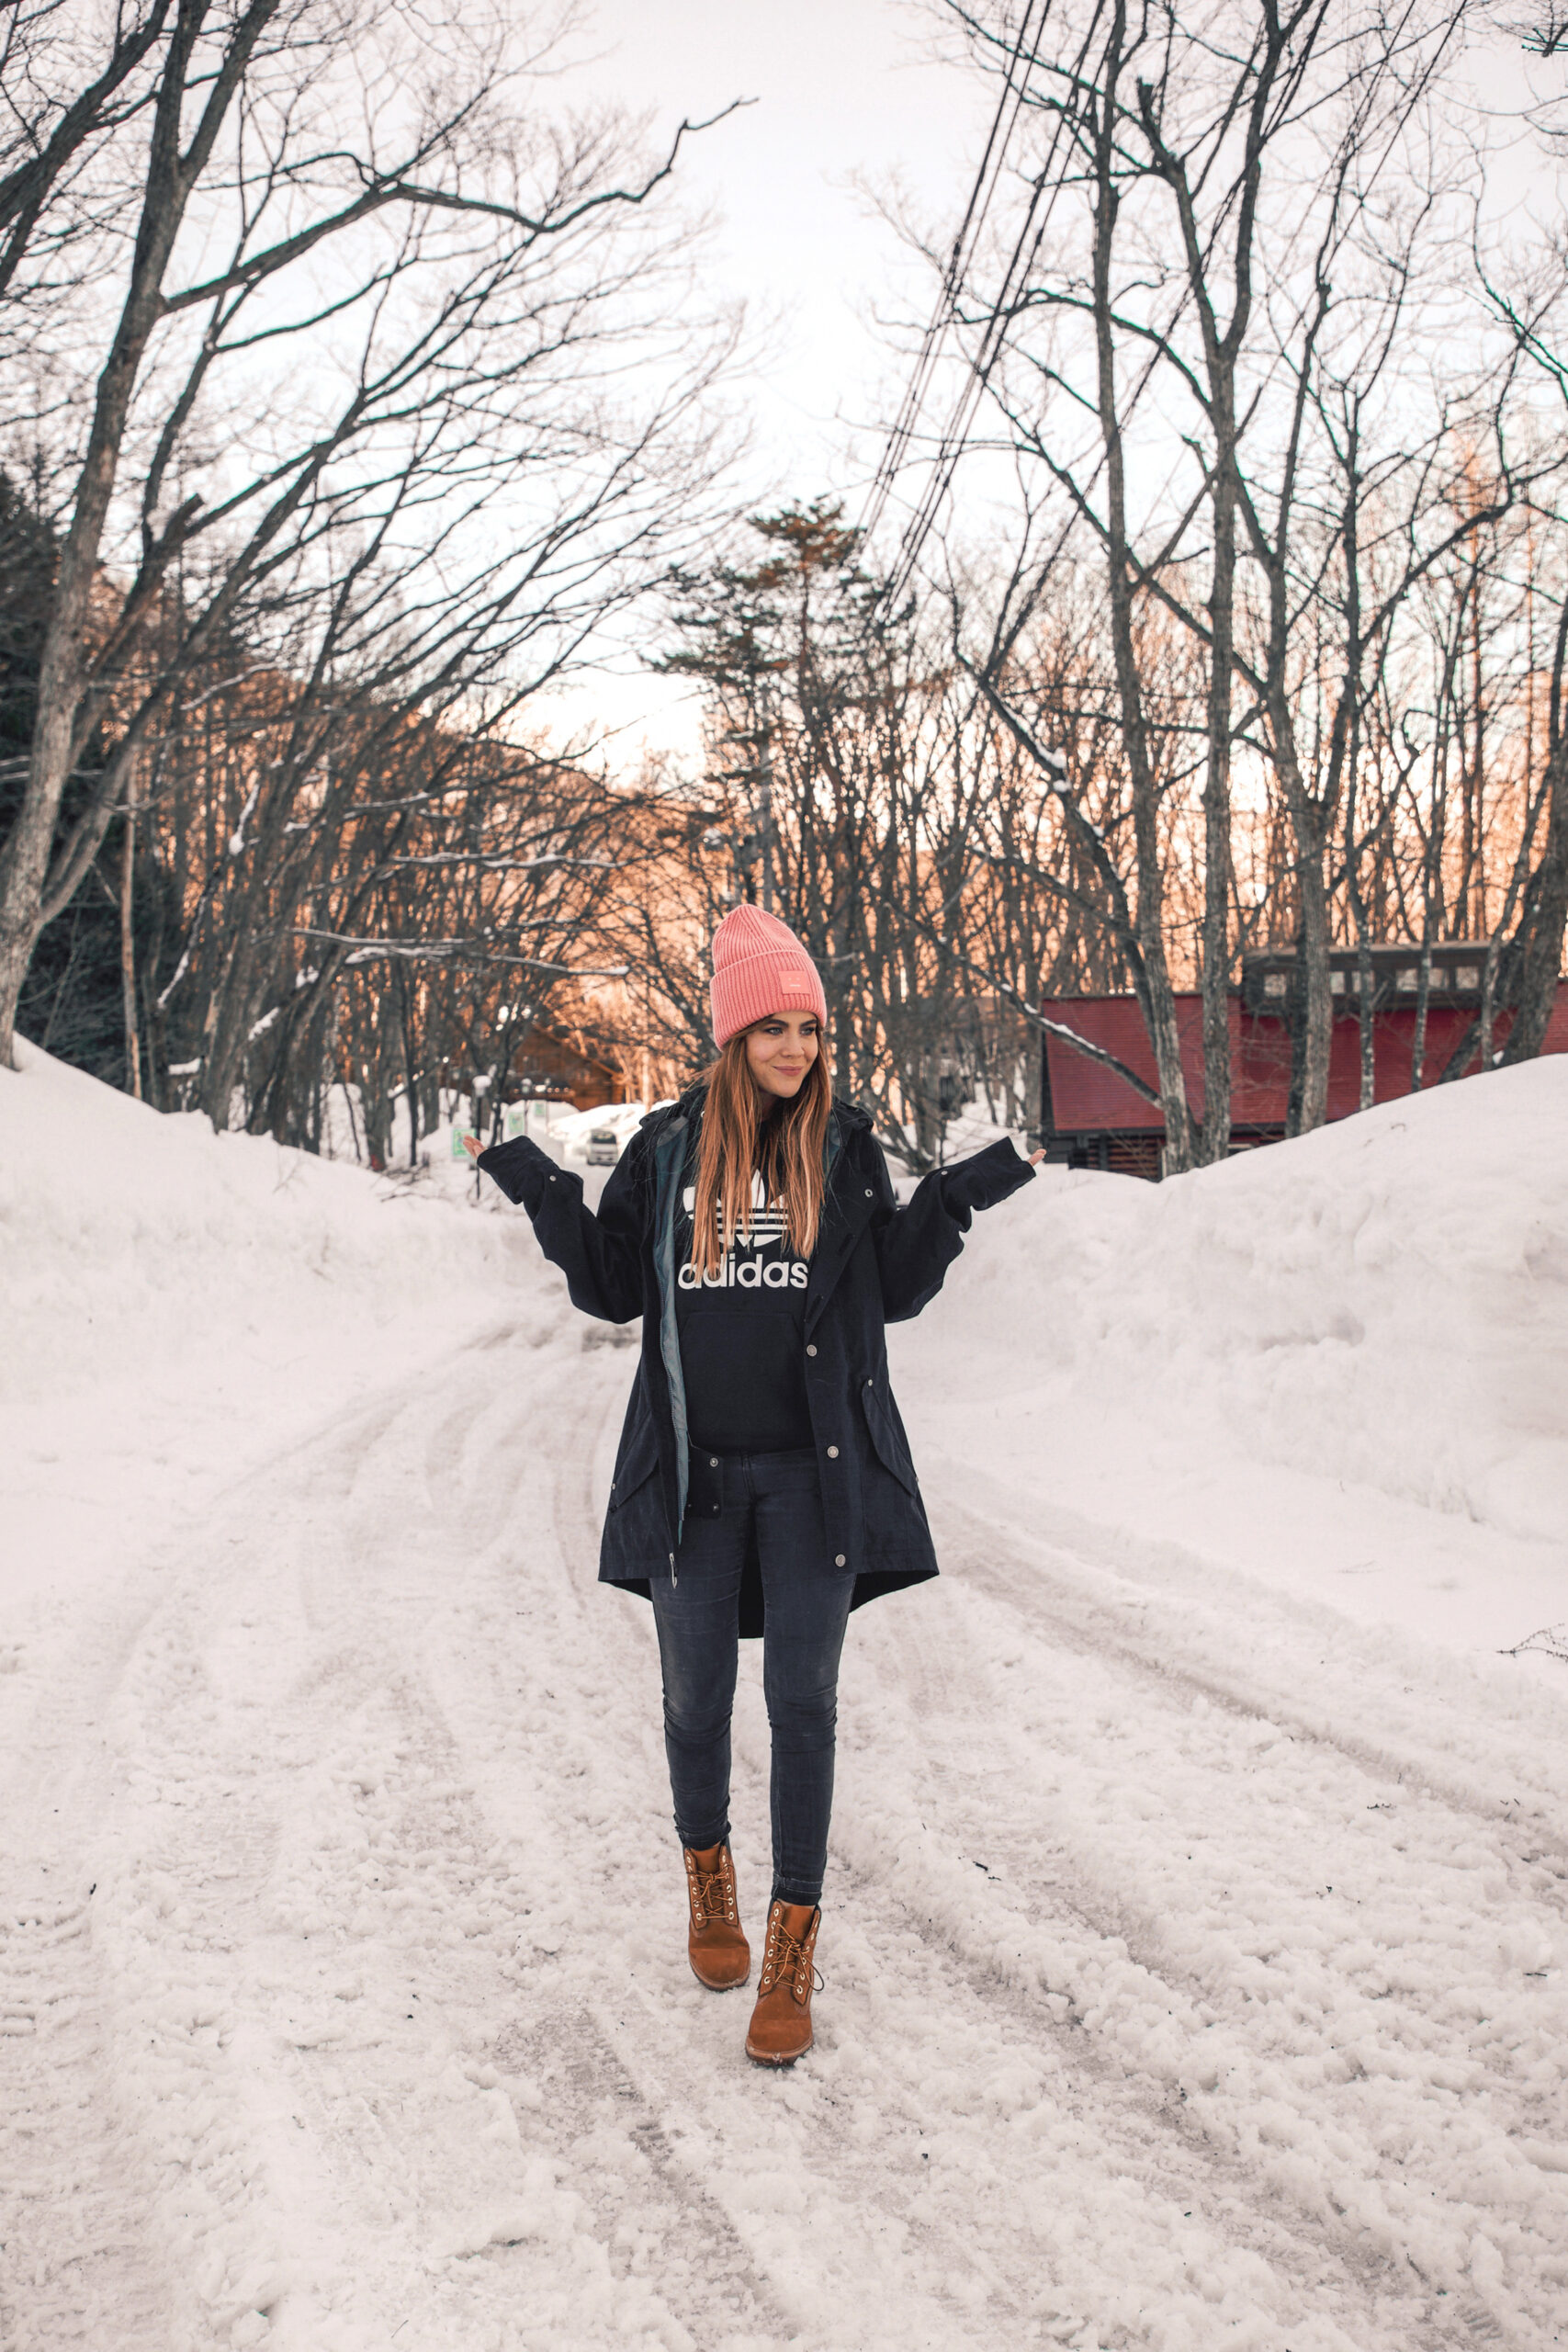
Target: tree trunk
{"points": [[1539, 940], [64, 667], [1423, 1002], [232, 1012], [128, 940], [1317, 1011], [1158, 998], [1214, 1145], [1315, 1022], [1366, 1036]]}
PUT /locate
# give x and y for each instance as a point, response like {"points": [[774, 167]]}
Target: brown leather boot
{"points": [[715, 1945], [780, 2031]]}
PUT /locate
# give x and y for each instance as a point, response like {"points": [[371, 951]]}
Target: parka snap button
{"points": [[839, 1560], [869, 1194], [811, 1347], [832, 1453], [712, 1462]]}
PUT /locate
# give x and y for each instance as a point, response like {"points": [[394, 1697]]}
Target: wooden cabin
{"points": [[546, 1065], [1091, 1117]]}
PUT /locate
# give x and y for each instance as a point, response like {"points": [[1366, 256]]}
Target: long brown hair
{"points": [[789, 1147]]}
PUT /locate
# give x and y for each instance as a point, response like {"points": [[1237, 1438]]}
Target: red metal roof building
{"points": [[1091, 1117]]}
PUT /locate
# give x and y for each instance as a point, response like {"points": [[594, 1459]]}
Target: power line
{"points": [[970, 228], [993, 332], [993, 336]]}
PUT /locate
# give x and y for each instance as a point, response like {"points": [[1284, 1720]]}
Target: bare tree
{"points": [[846, 789], [405, 345], [1530, 305], [63, 93], [1202, 210]]}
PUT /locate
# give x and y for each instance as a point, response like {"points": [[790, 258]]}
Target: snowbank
{"points": [[1384, 1301], [126, 1235], [1342, 1361], [1382, 1305], [176, 1303]]}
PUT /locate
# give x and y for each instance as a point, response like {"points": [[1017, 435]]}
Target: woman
{"points": [[763, 1483]]}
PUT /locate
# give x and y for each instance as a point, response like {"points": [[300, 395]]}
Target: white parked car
{"points": [[603, 1147]]}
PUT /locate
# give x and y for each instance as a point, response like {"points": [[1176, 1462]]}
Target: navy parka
{"points": [[874, 1264]]}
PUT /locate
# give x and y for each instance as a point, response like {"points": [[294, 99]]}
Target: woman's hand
{"points": [[472, 1145], [1036, 1156]]}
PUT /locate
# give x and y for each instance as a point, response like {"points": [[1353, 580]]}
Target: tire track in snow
{"points": [[75, 2263], [646, 2200], [879, 2276], [88, 2282], [385, 2175], [86, 2142], [609, 1882], [1348, 2284], [1347, 2076], [1079, 1590], [398, 1893]]}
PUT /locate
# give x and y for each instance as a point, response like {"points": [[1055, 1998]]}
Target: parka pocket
{"points": [[887, 1437], [638, 1462]]}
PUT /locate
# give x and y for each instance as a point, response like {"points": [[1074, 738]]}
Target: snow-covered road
{"points": [[1196, 1960]]}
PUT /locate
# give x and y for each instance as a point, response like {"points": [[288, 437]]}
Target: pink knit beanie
{"points": [[760, 967]]}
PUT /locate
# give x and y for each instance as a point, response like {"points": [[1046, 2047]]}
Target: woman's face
{"points": [[779, 1052]]}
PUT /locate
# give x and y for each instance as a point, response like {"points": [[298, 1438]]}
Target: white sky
{"points": [[842, 87]]}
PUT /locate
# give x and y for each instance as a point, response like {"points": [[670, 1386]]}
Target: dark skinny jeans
{"points": [[697, 1615]]}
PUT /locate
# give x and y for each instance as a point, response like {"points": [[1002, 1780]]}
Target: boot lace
{"points": [[786, 1955], [711, 1896]]}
